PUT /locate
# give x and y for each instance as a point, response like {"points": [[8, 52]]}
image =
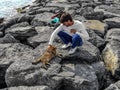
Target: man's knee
{"points": [[60, 33], [76, 37]]}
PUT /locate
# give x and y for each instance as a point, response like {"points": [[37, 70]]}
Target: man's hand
{"points": [[73, 31]]}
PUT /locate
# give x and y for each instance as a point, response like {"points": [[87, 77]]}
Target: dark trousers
{"points": [[75, 40]]}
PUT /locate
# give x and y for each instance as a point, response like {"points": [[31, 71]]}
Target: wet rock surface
{"points": [[94, 66]]}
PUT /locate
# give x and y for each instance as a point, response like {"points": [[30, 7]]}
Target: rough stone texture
{"points": [[84, 11], [10, 53], [97, 26], [24, 73], [62, 5], [115, 86], [16, 19], [8, 38], [21, 33], [113, 34], [76, 77], [42, 19], [113, 22], [94, 15], [45, 9], [3, 67], [95, 39], [111, 57], [109, 10], [14, 51], [28, 88], [84, 70], [43, 36], [87, 49], [1, 34]]}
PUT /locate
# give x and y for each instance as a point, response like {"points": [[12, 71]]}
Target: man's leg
{"points": [[76, 40], [65, 37]]}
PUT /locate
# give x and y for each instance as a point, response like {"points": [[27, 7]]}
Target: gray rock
{"points": [[42, 19], [16, 19], [98, 27], [115, 86], [22, 24], [94, 15], [3, 67], [63, 5], [45, 9], [28, 88], [87, 49], [79, 77], [21, 33], [113, 22], [99, 69], [1, 34], [10, 53], [95, 39], [83, 11], [14, 51], [109, 10], [24, 73], [111, 56], [2, 27], [43, 36], [8, 38], [113, 34]]}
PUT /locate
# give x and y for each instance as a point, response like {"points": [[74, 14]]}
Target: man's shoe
{"points": [[72, 50], [66, 46]]}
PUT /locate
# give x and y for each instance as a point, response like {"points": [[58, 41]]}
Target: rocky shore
{"points": [[95, 65]]}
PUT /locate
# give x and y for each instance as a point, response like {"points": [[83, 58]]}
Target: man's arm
{"points": [[54, 34], [82, 31]]}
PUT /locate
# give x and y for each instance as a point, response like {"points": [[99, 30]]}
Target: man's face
{"points": [[67, 23]]}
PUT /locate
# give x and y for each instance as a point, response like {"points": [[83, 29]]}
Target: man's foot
{"points": [[66, 46], [72, 50]]}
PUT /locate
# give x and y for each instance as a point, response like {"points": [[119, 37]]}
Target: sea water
{"points": [[7, 7]]}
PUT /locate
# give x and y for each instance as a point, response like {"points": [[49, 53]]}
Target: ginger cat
{"points": [[47, 56]]}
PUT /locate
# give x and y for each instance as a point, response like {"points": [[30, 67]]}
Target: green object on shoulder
{"points": [[55, 20]]}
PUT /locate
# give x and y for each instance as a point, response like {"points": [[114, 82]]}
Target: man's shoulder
{"points": [[77, 22]]}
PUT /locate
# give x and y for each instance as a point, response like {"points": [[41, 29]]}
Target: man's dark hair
{"points": [[65, 17]]}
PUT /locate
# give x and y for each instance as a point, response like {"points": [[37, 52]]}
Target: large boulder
{"points": [[8, 38], [45, 9], [14, 51], [87, 49], [16, 19], [42, 19], [82, 11], [97, 26], [78, 77], [115, 86], [62, 5], [113, 34], [21, 33], [3, 68], [111, 57], [24, 73], [110, 11], [95, 39], [28, 88], [10, 53], [43, 36], [113, 22], [94, 15]]}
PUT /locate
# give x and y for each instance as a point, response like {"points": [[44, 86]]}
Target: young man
{"points": [[71, 32]]}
